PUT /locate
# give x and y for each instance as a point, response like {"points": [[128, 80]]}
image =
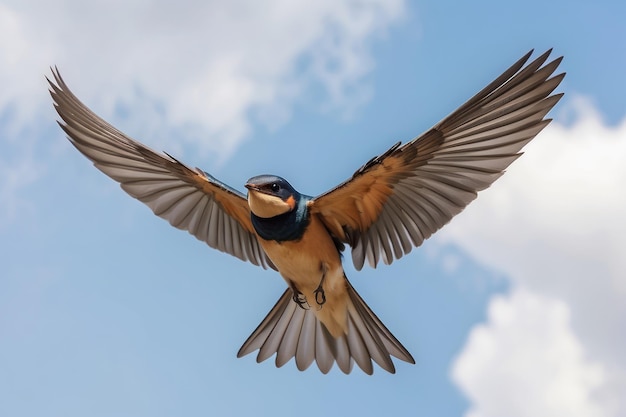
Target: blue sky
{"points": [[515, 308]]}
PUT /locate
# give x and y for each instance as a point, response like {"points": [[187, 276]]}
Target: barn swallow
{"points": [[390, 205]]}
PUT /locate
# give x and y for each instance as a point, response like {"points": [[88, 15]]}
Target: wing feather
{"points": [[403, 196], [189, 199]]}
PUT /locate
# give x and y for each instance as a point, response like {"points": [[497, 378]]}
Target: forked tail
{"points": [[290, 331]]}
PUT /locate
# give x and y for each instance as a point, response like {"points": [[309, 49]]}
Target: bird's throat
{"points": [[267, 206], [286, 226]]}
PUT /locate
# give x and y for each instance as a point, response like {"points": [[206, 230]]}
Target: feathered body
{"points": [[303, 262], [340, 325]]}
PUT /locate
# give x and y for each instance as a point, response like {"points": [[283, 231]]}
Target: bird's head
{"points": [[270, 196]]}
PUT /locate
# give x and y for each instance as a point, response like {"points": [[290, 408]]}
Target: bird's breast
{"points": [[304, 257]]}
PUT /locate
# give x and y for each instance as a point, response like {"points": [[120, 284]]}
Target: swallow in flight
{"points": [[390, 205]]}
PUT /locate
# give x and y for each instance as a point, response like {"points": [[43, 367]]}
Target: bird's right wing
{"points": [[189, 199]]}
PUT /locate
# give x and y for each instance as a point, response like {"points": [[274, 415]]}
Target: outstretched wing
{"points": [[398, 199], [189, 199]]}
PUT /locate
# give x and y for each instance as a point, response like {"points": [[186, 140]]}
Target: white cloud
{"points": [[21, 76], [195, 70], [526, 362], [555, 224], [201, 67]]}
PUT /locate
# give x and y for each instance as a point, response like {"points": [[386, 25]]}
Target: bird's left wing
{"points": [[400, 198], [189, 199]]}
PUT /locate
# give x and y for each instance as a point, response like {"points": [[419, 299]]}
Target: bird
{"points": [[389, 206]]}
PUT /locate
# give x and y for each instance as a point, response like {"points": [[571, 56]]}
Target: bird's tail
{"points": [[290, 331]]}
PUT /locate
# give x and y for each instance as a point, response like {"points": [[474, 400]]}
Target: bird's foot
{"points": [[320, 296], [300, 300]]}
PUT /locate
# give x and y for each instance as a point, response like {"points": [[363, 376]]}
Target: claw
{"points": [[320, 296], [298, 297], [300, 300]]}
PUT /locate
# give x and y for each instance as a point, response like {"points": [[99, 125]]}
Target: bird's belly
{"points": [[304, 262]]}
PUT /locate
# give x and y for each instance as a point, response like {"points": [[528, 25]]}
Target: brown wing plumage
{"points": [[399, 199], [189, 199]]}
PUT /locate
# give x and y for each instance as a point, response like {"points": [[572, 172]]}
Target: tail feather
{"points": [[278, 331], [290, 331], [323, 353], [356, 346], [305, 353], [289, 344], [263, 331], [390, 343]]}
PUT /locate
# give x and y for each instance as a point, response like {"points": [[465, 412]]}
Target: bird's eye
{"points": [[275, 187]]}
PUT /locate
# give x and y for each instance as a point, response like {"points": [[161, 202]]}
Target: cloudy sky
{"points": [[516, 308]]}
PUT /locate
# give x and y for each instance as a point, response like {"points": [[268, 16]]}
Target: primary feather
{"points": [[400, 198], [189, 199]]}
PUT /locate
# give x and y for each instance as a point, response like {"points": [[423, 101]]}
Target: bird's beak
{"points": [[253, 187]]}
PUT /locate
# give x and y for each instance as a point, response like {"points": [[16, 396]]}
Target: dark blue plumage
{"points": [[287, 226]]}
